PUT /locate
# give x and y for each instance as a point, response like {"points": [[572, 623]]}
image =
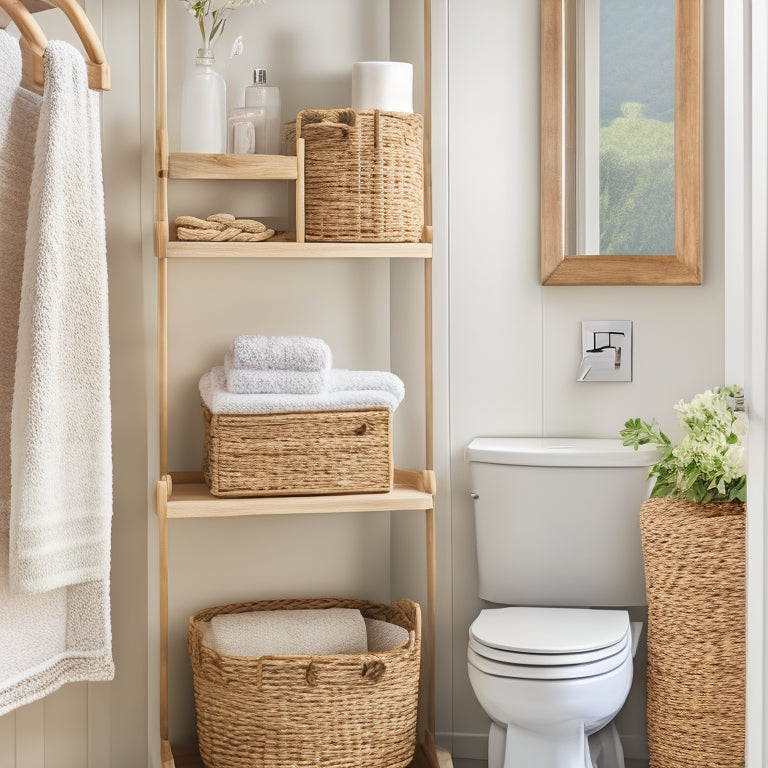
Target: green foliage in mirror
{"points": [[637, 184]]}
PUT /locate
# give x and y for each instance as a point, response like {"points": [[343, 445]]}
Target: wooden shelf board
{"points": [[190, 498], [192, 165], [291, 250], [188, 757]]}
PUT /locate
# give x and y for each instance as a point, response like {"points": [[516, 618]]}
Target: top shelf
{"points": [[191, 165]]}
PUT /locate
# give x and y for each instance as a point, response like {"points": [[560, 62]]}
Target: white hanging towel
{"points": [[59, 634]]}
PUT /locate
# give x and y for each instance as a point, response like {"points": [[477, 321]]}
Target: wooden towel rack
{"points": [[34, 42]]}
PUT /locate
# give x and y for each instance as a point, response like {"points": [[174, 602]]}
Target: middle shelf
{"points": [[185, 495]]}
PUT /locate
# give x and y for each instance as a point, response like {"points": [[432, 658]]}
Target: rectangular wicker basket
{"points": [[363, 175], [341, 711], [298, 454]]}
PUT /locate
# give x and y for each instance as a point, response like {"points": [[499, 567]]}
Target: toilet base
{"points": [[513, 747]]}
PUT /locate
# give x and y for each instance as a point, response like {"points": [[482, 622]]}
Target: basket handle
{"points": [[371, 670], [339, 119], [374, 670]]}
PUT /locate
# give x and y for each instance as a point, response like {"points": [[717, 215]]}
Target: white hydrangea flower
{"points": [[709, 463]]}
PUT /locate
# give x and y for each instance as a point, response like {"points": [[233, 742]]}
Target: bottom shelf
{"points": [[185, 757]]}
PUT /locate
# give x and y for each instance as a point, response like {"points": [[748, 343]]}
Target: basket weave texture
{"points": [[695, 580], [363, 175], [341, 711], [298, 454]]}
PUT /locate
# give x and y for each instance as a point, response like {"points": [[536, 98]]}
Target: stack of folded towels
{"points": [[280, 374]]}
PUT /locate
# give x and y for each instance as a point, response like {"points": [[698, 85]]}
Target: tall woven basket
{"points": [[363, 175], [695, 579], [341, 711]]}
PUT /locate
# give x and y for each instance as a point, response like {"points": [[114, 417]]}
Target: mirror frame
{"points": [[684, 266]]}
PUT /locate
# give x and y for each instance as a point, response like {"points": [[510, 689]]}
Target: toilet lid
{"points": [[550, 630], [550, 672]]}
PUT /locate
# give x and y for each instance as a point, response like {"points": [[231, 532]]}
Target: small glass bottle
{"points": [[261, 96], [204, 107]]}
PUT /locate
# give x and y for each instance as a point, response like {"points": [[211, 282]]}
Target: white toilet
{"points": [[558, 542]]}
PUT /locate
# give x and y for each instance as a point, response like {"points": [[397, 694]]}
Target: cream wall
{"points": [[506, 349]]}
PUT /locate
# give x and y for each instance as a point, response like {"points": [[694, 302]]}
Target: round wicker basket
{"points": [[341, 711], [695, 580]]}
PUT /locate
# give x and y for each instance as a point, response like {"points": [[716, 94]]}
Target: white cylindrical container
{"points": [[204, 107], [385, 85], [244, 126]]}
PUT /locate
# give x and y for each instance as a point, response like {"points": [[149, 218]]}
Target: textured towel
{"points": [[213, 390], [62, 635], [286, 353], [61, 461], [341, 380], [302, 632], [384, 636], [256, 381]]}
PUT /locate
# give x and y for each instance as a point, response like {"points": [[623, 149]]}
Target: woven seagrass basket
{"points": [[298, 454], [695, 580], [363, 175], [341, 711]]}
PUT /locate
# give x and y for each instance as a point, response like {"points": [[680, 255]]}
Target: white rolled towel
{"points": [[285, 353], [384, 636], [259, 381], [213, 391], [301, 632]]}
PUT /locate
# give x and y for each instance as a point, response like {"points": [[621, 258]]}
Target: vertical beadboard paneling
{"points": [[66, 729], [99, 725], [7, 740], [30, 741]]}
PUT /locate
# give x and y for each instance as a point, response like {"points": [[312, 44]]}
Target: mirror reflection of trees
{"points": [[637, 184]]}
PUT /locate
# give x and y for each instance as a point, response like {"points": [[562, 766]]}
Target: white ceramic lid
{"points": [[549, 630], [556, 672], [559, 452], [548, 659]]}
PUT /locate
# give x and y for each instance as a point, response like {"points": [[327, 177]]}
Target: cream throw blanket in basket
{"points": [[55, 622]]}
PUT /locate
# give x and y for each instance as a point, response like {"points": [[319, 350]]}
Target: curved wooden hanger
{"points": [[34, 42]]}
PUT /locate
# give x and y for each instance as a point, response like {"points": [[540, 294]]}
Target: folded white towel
{"points": [[286, 353], [303, 632], [213, 390], [244, 381], [257, 381], [340, 380]]}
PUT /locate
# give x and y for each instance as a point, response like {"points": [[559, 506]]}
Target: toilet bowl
{"points": [[549, 678]]}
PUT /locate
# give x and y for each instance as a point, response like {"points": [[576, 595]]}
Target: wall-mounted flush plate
{"points": [[606, 350]]}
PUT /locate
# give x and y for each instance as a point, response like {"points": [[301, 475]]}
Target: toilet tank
{"points": [[557, 520]]}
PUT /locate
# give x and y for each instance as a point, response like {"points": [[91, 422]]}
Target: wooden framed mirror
{"points": [[568, 258]]}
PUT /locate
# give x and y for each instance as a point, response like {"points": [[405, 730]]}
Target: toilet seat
{"points": [[549, 671], [549, 643], [547, 659]]}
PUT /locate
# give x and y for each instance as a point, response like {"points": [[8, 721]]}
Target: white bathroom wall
{"points": [[514, 345]]}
